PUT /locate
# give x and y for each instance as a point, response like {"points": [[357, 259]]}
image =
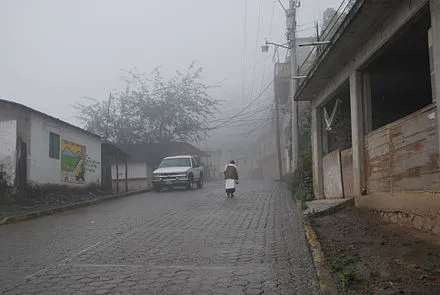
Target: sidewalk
{"points": [[326, 205]]}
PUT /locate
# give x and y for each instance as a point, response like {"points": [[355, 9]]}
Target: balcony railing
{"points": [[329, 33]]}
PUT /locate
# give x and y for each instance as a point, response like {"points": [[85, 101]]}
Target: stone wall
{"points": [[414, 210], [423, 223]]}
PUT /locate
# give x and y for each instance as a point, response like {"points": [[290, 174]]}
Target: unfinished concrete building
{"points": [[382, 69]]}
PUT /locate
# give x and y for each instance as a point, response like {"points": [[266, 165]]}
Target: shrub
{"points": [[300, 182]]}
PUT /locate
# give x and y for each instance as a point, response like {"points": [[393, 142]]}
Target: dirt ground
{"points": [[368, 256]]}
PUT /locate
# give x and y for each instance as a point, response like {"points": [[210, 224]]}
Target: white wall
{"points": [[136, 170], [43, 169], [8, 142], [138, 176]]}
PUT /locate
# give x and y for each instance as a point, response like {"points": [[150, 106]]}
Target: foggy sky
{"points": [[53, 52]]}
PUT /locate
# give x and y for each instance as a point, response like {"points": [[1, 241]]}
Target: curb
{"points": [[36, 214], [325, 280]]}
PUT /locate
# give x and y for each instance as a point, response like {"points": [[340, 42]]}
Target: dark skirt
{"points": [[230, 190]]}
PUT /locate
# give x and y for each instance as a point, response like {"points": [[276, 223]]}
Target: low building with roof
{"points": [[38, 149]]}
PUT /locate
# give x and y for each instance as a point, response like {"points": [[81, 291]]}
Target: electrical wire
{"points": [[245, 118], [248, 105], [246, 114], [244, 48], [262, 124], [256, 45], [241, 71], [270, 34], [228, 120], [261, 120]]}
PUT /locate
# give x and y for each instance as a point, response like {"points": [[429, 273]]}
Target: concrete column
{"points": [[368, 109], [435, 57], [325, 145], [318, 178], [357, 131]]}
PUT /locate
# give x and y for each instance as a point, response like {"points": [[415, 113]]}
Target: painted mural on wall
{"points": [[75, 163], [73, 166]]}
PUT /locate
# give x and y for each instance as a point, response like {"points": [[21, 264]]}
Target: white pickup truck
{"points": [[178, 171]]}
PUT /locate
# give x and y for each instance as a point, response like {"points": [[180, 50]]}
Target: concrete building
{"points": [[382, 69], [36, 148]]}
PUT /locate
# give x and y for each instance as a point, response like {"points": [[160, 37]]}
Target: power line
{"points": [[256, 45], [270, 34], [246, 114], [246, 118], [262, 124], [310, 23], [271, 19], [248, 105], [242, 71], [244, 48], [246, 123]]}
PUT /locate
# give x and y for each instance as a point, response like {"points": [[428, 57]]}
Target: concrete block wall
{"points": [[403, 156]]}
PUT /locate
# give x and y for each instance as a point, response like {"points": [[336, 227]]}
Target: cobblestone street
{"points": [[180, 242]]}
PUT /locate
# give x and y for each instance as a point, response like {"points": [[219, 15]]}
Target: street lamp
{"points": [[265, 47]]}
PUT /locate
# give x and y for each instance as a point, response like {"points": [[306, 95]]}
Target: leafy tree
{"points": [[153, 109]]}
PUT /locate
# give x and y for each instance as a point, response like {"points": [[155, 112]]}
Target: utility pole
{"points": [[108, 115], [291, 45], [277, 114], [291, 37]]}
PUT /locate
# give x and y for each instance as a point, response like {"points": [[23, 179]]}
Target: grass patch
{"points": [[304, 206], [348, 260], [300, 193], [341, 263], [345, 267], [348, 278]]}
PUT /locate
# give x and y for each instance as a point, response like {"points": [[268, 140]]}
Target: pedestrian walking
{"points": [[231, 178]]}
